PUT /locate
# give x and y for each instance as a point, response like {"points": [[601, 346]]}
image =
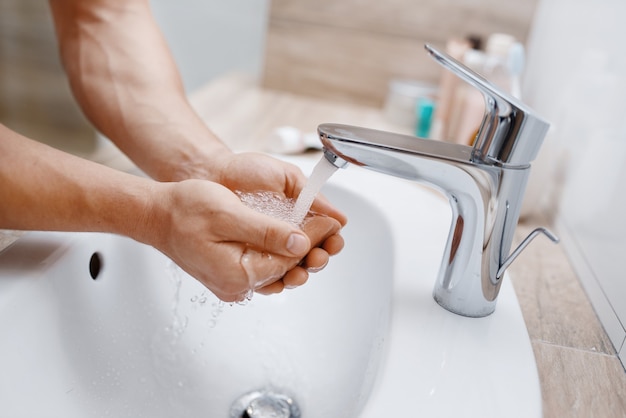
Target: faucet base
{"points": [[444, 301]]}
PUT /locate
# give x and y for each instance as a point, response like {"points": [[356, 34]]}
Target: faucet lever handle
{"points": [[510, 133], [523, 245]]}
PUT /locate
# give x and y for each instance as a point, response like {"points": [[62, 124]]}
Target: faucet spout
{"points": [[485, 202], [471, 190], [484, 184]]}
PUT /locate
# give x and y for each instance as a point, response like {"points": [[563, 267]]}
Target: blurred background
{"points": [[347, 50]]}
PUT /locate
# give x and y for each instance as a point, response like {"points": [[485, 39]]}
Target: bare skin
{"points": [[127, 84]]}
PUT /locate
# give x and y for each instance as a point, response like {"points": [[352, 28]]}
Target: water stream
{"points": [[290, 210], [320, 175]]}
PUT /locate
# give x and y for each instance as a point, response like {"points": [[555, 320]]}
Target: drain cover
{"points": [[262, 404]]}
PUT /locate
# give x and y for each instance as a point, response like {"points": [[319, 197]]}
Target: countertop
{"points": [[579, 371]]}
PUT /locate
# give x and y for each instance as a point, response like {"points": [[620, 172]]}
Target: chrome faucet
{"points": [[485, 185]]}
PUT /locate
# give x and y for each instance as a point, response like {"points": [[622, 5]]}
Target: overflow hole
{"points": [[95, 265]]}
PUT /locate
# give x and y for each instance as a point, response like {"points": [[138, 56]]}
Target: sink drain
{"points": [[260, 404]]}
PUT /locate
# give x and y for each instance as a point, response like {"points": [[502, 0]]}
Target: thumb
{"points": [[271, 235]]}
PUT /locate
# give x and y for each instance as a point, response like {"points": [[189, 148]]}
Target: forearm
{"points": [[124, 78], [45, 189]]}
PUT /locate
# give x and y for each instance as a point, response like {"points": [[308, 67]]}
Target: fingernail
{"points": [[297, 244], [318, 268]]}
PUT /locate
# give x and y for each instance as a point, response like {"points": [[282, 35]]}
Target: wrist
{"points": [[206, 161], [151, 218], [182, 149]]}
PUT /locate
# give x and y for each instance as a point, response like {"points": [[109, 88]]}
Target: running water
{"points": [[320, 175], [290, 210], [270, 203]]}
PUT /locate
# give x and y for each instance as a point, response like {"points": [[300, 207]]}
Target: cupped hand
{"points": [[323, 232], [230, 248], [259, 172], [253, 172]]}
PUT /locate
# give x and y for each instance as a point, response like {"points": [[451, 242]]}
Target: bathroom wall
{"points": [[209, 38], [349, 49], [576, 78]]}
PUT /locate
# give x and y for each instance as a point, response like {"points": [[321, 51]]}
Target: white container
{"points": [[402, 98]]}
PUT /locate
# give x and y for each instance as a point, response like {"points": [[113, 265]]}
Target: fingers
{"points": [[316, 260], [269, 274], [293, 278], [278, 237], [269, 266], [233, 249], [267, 233], [333, 244], [319, 228], [272, 288]]}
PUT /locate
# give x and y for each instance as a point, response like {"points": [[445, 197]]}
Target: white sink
{"points": [[140, 340]]}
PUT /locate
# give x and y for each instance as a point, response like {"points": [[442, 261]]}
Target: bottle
{"points": [[516, 61], [496, 68], [424, 110]]}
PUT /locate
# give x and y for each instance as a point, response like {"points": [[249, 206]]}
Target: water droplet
{"points": [[247, 297]]}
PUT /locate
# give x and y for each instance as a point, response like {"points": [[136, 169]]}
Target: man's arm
{"points": [[127, 83], [200, 225], [42, 188], [123, 75]]}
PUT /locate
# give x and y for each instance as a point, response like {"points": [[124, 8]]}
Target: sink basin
{"points": [[439, 364], [99, 325], [363, 338]]}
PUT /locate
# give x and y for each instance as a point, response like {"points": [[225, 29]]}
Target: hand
{"points": [[253, 172], [231, 249], [326, 241]]}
